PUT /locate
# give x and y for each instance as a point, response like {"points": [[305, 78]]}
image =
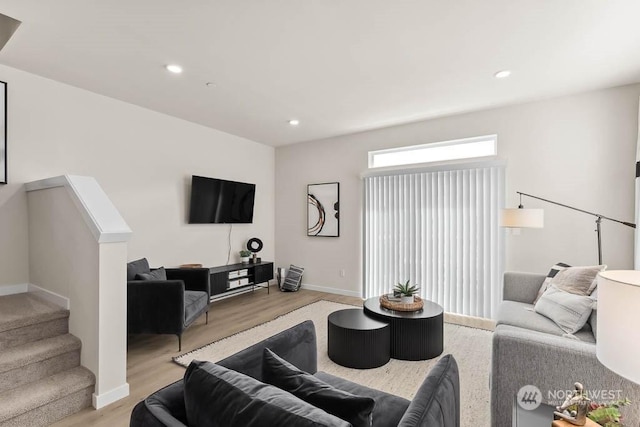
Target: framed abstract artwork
{"points": [[3, 133], [323, 209]]}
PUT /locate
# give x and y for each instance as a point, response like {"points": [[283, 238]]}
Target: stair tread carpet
{"points": [[37, 351], [37, 394], [20, 310]]}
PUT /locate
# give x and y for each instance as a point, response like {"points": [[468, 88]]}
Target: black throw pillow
{"points": [[215, 396], [354, 409], [157, 274]]}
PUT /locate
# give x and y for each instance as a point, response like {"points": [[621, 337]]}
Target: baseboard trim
{"points": [[470, 321], [13, 289], [331, 290], [101, 400], [46, 294]]}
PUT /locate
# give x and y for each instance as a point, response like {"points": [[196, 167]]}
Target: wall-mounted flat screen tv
{"points": [[217, 201]]}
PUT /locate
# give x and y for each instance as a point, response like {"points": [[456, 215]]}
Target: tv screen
{"points": [[216, 201]]}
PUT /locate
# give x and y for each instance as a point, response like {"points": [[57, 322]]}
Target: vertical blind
{"points": [[439, 229]]}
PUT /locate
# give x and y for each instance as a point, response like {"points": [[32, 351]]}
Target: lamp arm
{"points": [[628, 224]]}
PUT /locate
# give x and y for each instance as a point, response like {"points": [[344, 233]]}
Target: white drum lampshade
{"points": [[618, 343], [522, 218]]}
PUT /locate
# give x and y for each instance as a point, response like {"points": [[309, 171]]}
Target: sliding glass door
{"points": [[438, 228]]}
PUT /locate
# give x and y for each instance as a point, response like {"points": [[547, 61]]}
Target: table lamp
{"points": [[618, 343]]}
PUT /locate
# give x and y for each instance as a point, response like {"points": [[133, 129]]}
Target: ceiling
{"points": [[337, 66]]}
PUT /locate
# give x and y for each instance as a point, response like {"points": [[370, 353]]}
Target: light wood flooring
{"points": [[149, 365]]}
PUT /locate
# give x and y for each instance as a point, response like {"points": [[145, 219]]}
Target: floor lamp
{"points": [[534, 218]]}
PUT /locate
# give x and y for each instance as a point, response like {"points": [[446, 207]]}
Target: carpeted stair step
{"points": [[48, 400], [36, 360], [25, 318]]}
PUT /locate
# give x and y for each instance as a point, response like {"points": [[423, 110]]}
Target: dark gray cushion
{"points": [[164, 407], [219, 397], [137, 267], [297, 345], [354, 409], [388, 410], [437, 402], [157, 274]]}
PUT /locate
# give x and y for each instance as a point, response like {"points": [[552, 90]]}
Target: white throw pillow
{"points": [[569, 311], [578, 280]]}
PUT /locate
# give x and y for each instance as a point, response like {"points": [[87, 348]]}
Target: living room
{"points": [[566, 122]]}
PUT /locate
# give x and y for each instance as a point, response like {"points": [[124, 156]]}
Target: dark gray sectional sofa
{"points": [[436, 403]]}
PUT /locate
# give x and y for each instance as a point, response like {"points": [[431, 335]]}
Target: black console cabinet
{"points": [[227, 280]]}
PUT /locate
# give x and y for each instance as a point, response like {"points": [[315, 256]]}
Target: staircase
{"points": [[41, 380]]}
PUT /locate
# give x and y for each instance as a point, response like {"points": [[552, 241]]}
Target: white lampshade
{"points": [[522, 218], [618, 342]]}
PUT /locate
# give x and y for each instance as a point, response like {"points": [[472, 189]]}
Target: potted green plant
{"points": [[244, 256], [607, 414], [406, 292]]}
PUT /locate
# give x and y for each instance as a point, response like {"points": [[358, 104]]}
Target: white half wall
{"points": [[142, 159], [77, 254], [578, 150]]}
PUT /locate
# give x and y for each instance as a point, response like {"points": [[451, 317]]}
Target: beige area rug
{"points": [[471, 347]]}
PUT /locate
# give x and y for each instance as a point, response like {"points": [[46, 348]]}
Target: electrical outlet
{"points": [[342, 272]]}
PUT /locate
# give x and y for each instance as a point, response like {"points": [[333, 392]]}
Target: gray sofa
{"points": [[529, 348], [436, 403]]}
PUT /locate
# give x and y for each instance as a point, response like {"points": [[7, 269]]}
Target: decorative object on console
{"points": [[255, 245], [194, 265], [244, 256], [618, 342], [526, 218], [323, 209], [3, 133]]}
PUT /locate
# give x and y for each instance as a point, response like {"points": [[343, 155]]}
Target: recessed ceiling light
{"points": [[210, 84], [294, 122], [176, 69], [502, 74]]}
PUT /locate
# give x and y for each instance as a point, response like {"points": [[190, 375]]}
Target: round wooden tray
{"points": [[398, 306]]}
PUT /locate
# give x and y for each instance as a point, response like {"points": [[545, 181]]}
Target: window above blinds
{"points": [[482, 146]]}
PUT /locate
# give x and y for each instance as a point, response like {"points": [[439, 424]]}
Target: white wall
{"points": [[579, 150], [142, 159]]}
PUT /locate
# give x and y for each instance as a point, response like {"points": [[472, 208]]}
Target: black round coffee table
{"points": [[415, 335], [357, 341]]}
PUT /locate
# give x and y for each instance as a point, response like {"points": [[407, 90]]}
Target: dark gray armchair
{"points": [[165, 301]]}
